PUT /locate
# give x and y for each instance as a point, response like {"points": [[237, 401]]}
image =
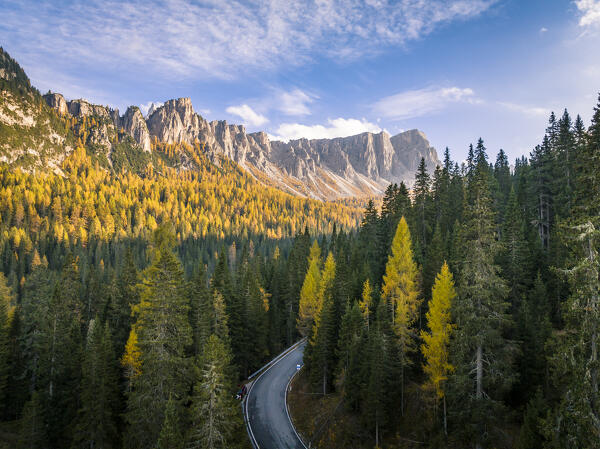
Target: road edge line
{"points": [[268, 366], [287, 409]]}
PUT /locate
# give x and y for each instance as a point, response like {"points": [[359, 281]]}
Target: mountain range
{"points": [[327, 169]]}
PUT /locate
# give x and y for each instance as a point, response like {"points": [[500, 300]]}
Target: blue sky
{"points": [[455, 69]]}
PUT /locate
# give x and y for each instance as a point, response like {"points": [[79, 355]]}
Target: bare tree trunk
{"points": [[402, 386], [479, 391], [51, 389], [376, 429]]}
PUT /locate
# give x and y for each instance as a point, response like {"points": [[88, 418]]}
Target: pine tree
{"points": [[213, 413], [126, 296], [479, 351], [309, 295], [163, 333], [435, 347], [170, 434], [401, 292], [60, 355], [201, 310], [32, 432], [422, 207], [376, 406], [96, 423], [577, 417]]}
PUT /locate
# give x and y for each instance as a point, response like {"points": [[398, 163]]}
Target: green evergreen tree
{"points": [[32, 432], [480, 353], [6, 312], [96, 422], [171, 435], [163, 333], [214, 417]]}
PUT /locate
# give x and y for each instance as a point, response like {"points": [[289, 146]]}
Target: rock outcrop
{"points": [[134, 124], [58, 102]]}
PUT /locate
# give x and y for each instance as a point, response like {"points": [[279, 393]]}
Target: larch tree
{"points": [[309, 294], [323, 340], [436, 341], [6, 312], [366, 302], [401, 292]]}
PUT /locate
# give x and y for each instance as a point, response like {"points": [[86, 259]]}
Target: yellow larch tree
{"points": [[435, 342], [309, 294], [366, 301], [401, 292]]}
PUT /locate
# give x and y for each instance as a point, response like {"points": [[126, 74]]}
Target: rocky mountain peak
{"points": [[363, 164]]}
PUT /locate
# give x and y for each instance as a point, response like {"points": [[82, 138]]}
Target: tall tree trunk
{"points": [[445, 420], [377, 429], [479, 390]]}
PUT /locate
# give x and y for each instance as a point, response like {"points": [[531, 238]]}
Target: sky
{"points": [[455, 69]]}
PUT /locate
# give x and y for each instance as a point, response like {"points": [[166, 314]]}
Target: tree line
{"points": [[465, 312]]}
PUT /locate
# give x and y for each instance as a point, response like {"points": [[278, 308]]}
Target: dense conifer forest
{"points": [[463, 313]]}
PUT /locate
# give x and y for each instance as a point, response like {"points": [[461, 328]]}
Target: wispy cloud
{"points": [[527, 110], [543, 30], [590, 12], [339, 127], [294, 102], [420, 102], [222, 39], [248, 115]]}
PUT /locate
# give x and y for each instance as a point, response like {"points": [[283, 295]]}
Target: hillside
{"points": [[32, 137]]}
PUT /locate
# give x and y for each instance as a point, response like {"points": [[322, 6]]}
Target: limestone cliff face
{"points": [[364, 164], [58, 102], [134, 124]]}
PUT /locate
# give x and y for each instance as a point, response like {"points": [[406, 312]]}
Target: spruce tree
{"points": [[577, 417], [200, 310], [214, 418], [163, 333], [96, 422], [171, 434], [480, 353]]}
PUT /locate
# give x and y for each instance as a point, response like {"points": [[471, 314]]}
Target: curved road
{"points": [[268, 421]]}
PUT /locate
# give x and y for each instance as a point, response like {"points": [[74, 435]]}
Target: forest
{"points": [[461, 313]]}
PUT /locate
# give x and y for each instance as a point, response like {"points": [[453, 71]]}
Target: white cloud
{"points": [[543, 30], [416, 103], [294, 102], [339, 127], [590, 10], [527, 110], [223, 39], [248, 115]]}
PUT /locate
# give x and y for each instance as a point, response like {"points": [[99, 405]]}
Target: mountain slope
{"points": [[355, 166]]}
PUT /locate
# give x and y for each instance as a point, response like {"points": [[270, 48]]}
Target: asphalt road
{"points": [[266, 410]]}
